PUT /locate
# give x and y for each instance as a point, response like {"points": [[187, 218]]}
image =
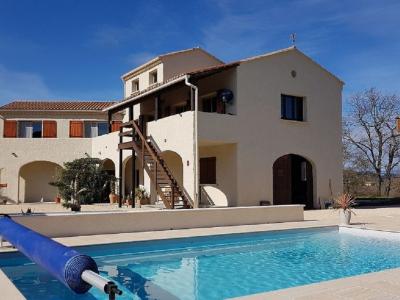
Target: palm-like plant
{"points": [[344, 202], [82, 181]]}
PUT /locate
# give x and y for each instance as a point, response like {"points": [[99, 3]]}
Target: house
{"points": [[39, 136], [203, 132]]}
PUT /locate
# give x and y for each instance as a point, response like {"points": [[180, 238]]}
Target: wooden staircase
{"points": [[168, 189]]}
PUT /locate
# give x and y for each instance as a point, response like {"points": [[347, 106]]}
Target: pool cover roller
{"points": [[64, 263]]}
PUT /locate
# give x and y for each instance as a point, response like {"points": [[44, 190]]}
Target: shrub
{"points": [[82, 180]]}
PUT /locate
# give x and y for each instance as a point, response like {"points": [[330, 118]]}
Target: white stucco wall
{"points": [[144, 77], [187, 61], [17, 152], [57, 150], [264, 137], [175, 133]]}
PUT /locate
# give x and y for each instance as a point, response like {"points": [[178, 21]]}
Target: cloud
{"points": [[20, 85], [251, 27], [140, 58]]}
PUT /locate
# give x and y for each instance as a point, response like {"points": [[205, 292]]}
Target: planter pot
{"points": [[138, 204], [129, 202], [57, 200], [113, 198], [145, 201], [75, 208], [345, 217]]}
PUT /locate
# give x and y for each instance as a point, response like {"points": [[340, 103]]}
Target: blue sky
{"points": [[79, 49]]}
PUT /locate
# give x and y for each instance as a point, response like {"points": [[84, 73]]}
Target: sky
{"points": [[56, 49]]}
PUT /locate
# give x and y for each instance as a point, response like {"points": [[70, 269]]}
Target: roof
{"points": [[159, 58], [39, 105], [198, 73], [292, 48]]}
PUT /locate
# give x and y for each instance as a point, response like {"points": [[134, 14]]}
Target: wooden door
{"points": [[282, 180], [208, 170]]}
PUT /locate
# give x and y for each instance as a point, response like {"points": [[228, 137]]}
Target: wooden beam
{"points": [[133, 165], [109, 119], [120, 170], [156, 107]]}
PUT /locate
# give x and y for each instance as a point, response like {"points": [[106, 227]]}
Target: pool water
{"points": [[216, 267]]}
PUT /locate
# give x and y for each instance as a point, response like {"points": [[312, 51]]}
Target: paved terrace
{"points": [[379, 285]]}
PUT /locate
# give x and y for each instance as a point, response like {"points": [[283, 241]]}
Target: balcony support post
{"points": [[133, 166]]}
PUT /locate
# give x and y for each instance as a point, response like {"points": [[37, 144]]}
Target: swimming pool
{"points": [[217, 267]]}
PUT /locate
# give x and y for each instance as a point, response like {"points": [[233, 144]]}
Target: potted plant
{"points": [[113, 196], [57, 199], [129, 200], [142, 196], [344, 203], [73, 206]]}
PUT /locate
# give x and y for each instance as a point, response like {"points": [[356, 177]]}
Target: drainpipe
{"points": [[195, 139]]}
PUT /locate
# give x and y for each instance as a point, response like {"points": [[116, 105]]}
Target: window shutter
{"points": [[49, 129], [76, 129], [115, 125], [10, 129]]}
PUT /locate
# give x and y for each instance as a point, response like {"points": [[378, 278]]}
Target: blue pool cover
{"points": [[62, 262]]}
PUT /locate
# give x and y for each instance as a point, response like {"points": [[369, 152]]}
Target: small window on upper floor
{"points": [[135, 85], [153, 77], [292, 108]]}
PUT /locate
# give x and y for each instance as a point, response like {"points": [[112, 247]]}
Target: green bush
{"points": [[82, 180]]}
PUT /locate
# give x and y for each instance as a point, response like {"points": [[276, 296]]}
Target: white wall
{"points": [[226, 170], [59, 225], [264, 137], [143, 77], [57, 150], [175, 133]]}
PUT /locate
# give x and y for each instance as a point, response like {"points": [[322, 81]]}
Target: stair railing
{"points": [[153, 153]]}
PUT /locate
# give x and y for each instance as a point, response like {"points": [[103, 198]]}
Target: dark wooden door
{"points": [[282, 183], [208, 170]]}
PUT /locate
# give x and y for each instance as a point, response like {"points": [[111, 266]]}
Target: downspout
{"points": [[195, 139]]}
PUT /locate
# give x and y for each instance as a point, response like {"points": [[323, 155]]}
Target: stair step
{"points": [[126, 133]]}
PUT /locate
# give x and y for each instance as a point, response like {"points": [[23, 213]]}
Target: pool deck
{"points": [[379, 285]]}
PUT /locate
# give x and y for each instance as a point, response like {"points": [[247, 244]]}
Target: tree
{"points": [[370, 137], [82, 181]]}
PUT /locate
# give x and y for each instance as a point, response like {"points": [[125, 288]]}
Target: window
{"points": [[213, 104], [153, 77], [210, 104], [30, 129], [102, 128], [292, 108], [94, 129], [135, 85]]}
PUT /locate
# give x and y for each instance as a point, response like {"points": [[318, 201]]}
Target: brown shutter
{"points": [[49, 129], [76, 129], [10, 129], [115, 125]]}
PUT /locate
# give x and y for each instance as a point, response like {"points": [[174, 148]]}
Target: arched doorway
{"points": [[127, 175], [293, 181], [174, 163], [108, 166], [34, 179]]}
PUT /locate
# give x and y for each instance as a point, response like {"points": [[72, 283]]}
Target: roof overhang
{"points": [[196, 75], [129, 101]]}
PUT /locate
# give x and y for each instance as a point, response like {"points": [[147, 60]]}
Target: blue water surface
{"points": [[216, 267]]}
